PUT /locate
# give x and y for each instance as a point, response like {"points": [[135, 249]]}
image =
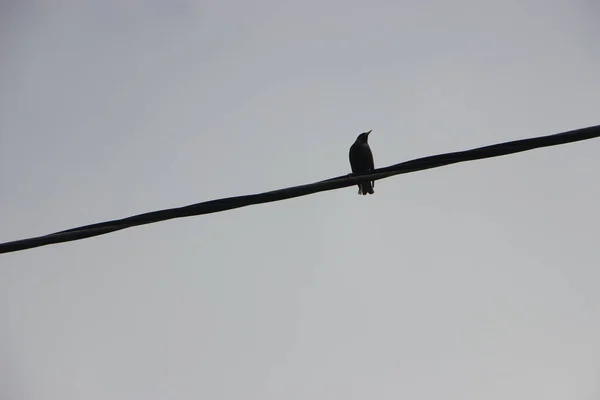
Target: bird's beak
{"points": [[369, 132]]}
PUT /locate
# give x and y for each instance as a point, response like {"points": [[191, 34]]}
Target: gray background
{"points": [[474, 281]]}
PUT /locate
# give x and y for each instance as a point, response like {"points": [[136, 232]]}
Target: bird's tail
{"points": [[366, 188]]}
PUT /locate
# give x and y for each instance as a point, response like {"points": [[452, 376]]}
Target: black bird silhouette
{"points": [[361, 160]]}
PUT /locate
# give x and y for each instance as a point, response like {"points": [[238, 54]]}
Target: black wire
{"points": [[230, 203]]}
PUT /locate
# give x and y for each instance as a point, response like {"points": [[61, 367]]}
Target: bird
{"points": [[361, 161]]}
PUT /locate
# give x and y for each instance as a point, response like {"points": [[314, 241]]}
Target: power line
{"points": [[230, 203]]}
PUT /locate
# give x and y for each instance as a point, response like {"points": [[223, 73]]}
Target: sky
{"points": [[476, 280]]}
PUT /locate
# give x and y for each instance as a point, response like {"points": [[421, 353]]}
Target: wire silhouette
{"points": [[230, 203]]}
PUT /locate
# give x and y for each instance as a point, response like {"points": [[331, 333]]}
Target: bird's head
{"points": [[363, 137]]}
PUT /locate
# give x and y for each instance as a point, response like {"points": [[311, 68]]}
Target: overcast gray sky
{"points": [[473, 281]]}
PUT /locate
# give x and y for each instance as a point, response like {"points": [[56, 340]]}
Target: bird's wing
{"points": [[354, 158], [369, 160]]}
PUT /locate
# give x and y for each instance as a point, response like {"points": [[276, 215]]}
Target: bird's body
{"points": [[361, 161]]}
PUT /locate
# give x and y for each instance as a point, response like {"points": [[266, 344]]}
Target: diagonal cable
{"points": [[230, 203]]}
